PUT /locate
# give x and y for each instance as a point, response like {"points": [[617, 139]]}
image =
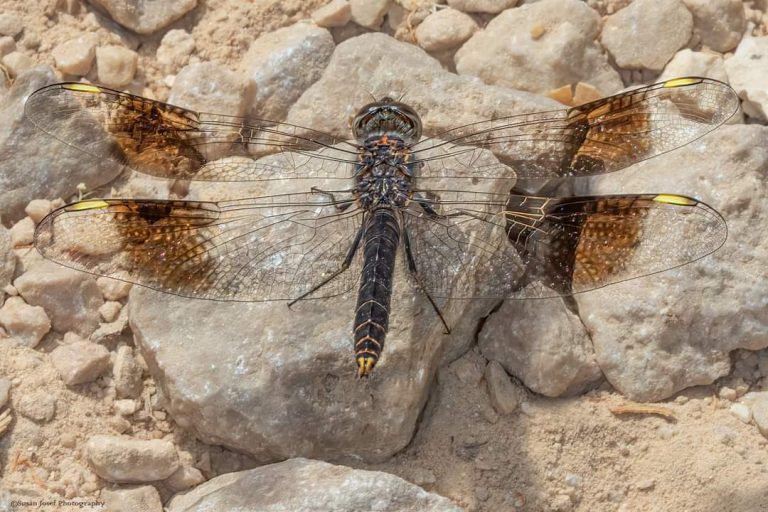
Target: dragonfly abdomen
{"points": [[382, 235]]}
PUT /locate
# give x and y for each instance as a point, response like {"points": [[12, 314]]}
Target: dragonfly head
{"points": [[387, 117]]}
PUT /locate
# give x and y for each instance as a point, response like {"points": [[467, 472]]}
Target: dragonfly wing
{"points": [[485, 245], [259, 249], [166, 141], [595, 138]]}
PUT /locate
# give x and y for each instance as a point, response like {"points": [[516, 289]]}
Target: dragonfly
{"points": [[442, 205]]}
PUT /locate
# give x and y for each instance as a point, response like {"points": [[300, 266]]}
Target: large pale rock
{"points": [[482, 6], [34, 164], [301, 484], [657, 335], [718, 23], [647, 33], [271, 371], [71, 298], [749, 79], [283, 64], [539, 47], [543, 344], [146, 16], [125, 460], [210, 87]]}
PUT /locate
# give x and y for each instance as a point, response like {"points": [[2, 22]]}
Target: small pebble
{"points": [[444, 30], [27, 324], [423, 477], [502, 392], [116, 65], [23, 232], [127, 372], [80, 362], [11, 24], [144, 498], [76, 56], [646, 485], [5, 389], [727, 393], [109, 310], [572, 480], [184, 478], [369, 13], [334, 14], [16, 63], [38, 406], [113, 289], [742, 412], [175, 49], [7, 45], [37, 209], [68, 440], [123, 459]]}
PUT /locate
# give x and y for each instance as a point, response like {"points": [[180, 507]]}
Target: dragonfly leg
{"points": [[340, 206], [415, 274], [424, 203], [344, 266]]}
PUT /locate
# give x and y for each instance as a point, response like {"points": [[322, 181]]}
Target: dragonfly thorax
{"points": [[384, 175]]}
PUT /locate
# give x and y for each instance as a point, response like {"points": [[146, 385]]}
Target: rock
{"points": [[5, 389], [647, 33], [758, 404], [111, 332], [657, 335], [138, 499], [38, 406], [7, 259], [174, 51], [718, 23], [297, 483], [72, 298], [16, 63], [184, 478], [146, 16], [11, 24], [502, 392], [742, 412], [34, 164], [336, 13], [369, 13], [109, 310], [549, 351], [689, 63], [444, 30], [125, 460], [748, 78], [37, 209], [7, 45], [482, 6], [113, 289], [115, 65], [127, 374], [208, 87], [80, 362], [126, 407], [27, 324], [539, 47], [75, 56], [283, 64], [23, 232]]}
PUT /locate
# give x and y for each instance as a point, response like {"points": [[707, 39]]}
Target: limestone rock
{"points": [[7, 45], [80, 362], [718, 23], [482, 6], [184, 478], [543, 344], [539, 47], [689, 63], [27, 324], [502, 392], [16, 63], [34, 164], [647, 33], [7, 258], [75, 56], [125, 460], [747, 78], [146, 16], [113, 289], [444, 30], [144, 498], [5, 389], [657, 335], [174, 51], [23, 232], [336, 13], [115, 65], [38, 406], [209, 87], [127, 373], [369, 13], [10, 24], [37, 209], [301, 484], [283, 64], [71, 298]]}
